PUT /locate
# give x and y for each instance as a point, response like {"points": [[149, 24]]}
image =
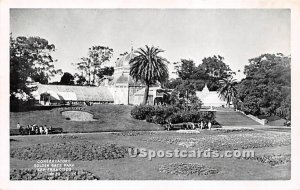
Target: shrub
{"points": [[163, 114], [191, 116], [149, 118], [20, 105], [176, 118], [140, 112], [208, 116], [159, 120], [166, 111]]}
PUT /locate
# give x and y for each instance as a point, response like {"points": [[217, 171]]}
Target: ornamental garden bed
{"points": [[73, 151], [187, 169], [33, 174], [272, 159], [229, 141]]}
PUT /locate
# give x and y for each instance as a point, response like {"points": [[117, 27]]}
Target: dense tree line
{"points": [[192, 78], [266, 90]]}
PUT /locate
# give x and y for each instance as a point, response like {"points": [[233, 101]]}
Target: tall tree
{"points": [[185, 69], [186, 84], [106, 71], [85, 66], [80, 79], [90, 65], [149, 68], [215, 69], [30, 60], [266, 89], [209, 72]]}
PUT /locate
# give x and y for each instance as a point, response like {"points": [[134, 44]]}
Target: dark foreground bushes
{"points": [[170, 113]]}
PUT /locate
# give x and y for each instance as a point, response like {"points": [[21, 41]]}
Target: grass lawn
{"points": [[109, 118], [84, 154]]}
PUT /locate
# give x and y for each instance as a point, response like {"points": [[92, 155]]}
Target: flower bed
{"points": [[229, 141], [64, 137], [224, 130], [188, 131], [33, 174], [187, 169], [83, 150], [272, 159], [133, 133]]}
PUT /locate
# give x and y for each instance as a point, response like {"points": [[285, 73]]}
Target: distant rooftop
{"points": [[124, 60], [83, 93]]}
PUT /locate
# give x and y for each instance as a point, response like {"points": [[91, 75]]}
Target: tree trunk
{"points": [[146, 95], [93, 81], [89, 78]]}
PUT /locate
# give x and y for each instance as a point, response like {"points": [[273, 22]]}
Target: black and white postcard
{"points": [[170, 94]]}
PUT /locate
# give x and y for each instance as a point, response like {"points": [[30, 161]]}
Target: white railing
{"points": [[260, 121]]}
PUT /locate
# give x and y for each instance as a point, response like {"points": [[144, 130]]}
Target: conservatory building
{"points": [[117, 89]]}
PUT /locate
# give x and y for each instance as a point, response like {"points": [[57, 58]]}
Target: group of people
{"points": [[188, 125], [205, 125], [34, 129], [201, 125]]}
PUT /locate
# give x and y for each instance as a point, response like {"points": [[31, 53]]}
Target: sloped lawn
{"points": [[108, 118]]}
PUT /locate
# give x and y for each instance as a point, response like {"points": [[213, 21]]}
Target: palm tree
{"points": [[148, 67], [228, 91]]}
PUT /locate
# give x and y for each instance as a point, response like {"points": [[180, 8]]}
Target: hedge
{"points": [[170, 113]]}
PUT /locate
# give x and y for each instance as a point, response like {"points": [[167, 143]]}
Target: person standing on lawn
{"points": [[201, 125], [32, 129], [36, 130], [46, 129], [41, 130], [18, 126], [28, 130], [209, 125]]}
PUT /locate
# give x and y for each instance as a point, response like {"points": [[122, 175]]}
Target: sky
{"points": [[235, 34]]}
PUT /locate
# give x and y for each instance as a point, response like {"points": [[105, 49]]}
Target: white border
{"points": [[294, 5]]}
